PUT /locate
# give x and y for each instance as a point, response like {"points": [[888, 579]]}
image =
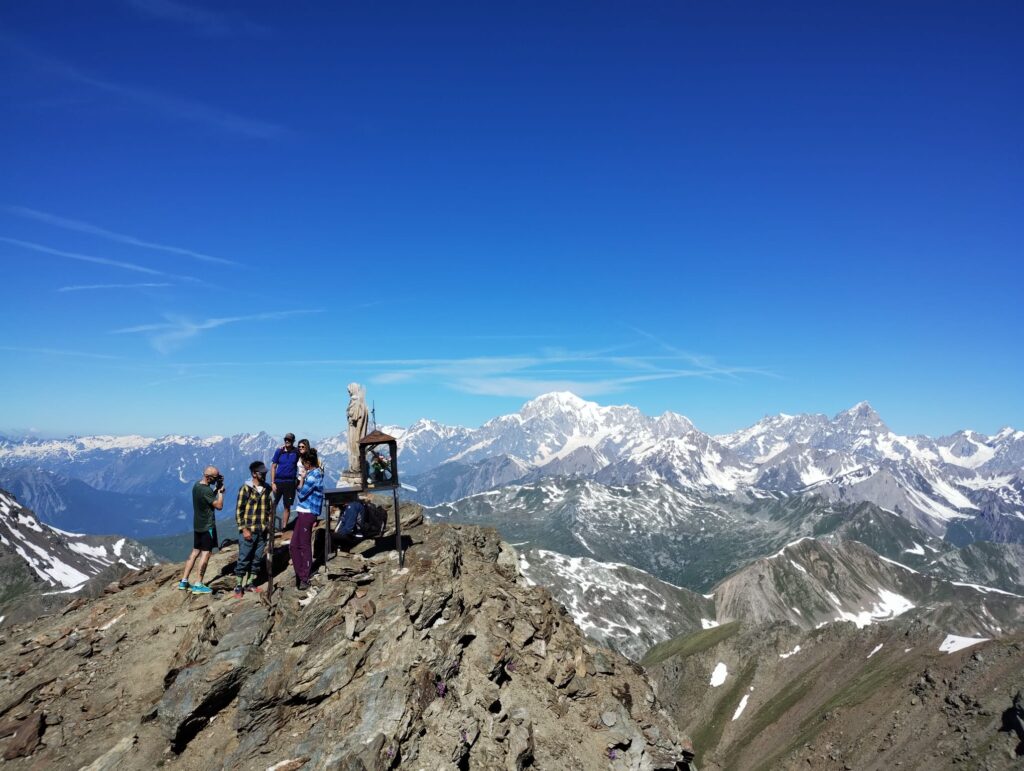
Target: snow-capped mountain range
{"points": [[965, 486], [967, 482]]}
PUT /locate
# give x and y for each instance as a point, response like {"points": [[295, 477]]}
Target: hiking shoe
{"points": [[303, 586], [239, 591], [201, 589], [251, 588], [184, 585]]}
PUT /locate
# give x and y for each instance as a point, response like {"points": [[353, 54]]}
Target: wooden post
{"points": [[269, 557], [327, 533]]}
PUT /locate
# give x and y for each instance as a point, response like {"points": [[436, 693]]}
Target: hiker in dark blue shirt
{"points": [[283, 473]]}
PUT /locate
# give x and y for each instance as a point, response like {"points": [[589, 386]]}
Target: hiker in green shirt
{"points": [[207, 497]]}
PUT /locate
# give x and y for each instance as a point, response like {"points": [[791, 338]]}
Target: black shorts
{"points": [[205, 540], [286, 490]]}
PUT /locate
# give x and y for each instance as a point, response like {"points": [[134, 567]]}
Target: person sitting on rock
{"points": [[351, 517], [253, 511], [308, 508]]}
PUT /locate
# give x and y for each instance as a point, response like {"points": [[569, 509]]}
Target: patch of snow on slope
{"points": [[66, 533], [30, 522], [897, 564], [706, 623], [100, 552], [986, 483], [789, 653], [918, 549], [932, 507], [49, 568], [982, 455], [813, 475], [782, 551], [889, 606], [954, 643], [742, 706], [875, 650], [985, 589], [951, 494], [718, 676]]}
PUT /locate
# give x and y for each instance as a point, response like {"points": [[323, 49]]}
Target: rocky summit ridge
{"points": [[453, 661]]}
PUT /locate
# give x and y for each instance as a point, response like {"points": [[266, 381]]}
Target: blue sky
{"points": [[216, 216]]}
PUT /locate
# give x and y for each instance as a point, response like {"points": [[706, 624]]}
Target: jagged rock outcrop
{"points": [[450, 662]]}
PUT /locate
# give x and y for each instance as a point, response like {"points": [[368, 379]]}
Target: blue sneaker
{"points": [[201, 589], [184, 585]]}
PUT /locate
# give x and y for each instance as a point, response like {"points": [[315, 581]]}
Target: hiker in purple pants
{"points": [[309, 502]]}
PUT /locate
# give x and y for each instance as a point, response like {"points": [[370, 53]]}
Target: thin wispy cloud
{"points": [[42, 249], [60, 352], [122, 238], [591, 373], [170, 334], [203, 21], [96, 287], [586, 373], [180, 378], [165, 104]]}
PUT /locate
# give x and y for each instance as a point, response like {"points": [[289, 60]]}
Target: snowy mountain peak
{"points": [[673, 424], [862, 413], [1008, 433], [556, 401]]}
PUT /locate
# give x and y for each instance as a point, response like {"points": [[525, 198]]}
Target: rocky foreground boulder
{"points": [[450, 662]]}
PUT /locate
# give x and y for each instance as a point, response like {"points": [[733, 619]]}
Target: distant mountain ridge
{"points": [[967, 481], [965, 486], [807, 584]]}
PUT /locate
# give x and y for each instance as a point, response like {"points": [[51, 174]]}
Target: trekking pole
{"points": [[327, 521], [269, 556]]}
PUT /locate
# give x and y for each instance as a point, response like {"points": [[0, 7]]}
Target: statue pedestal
{"points": [[350, 479]]}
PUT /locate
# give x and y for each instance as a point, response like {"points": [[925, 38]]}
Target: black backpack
{"points": [[373, 521]]}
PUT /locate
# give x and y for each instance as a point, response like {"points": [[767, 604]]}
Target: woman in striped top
{"points": [[309, 501]]}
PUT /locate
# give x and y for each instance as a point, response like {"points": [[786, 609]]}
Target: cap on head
{"points": [[290, 437], [257, 467]]}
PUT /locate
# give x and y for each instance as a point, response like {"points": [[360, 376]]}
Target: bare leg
{"points": [[189, 564], [203, 562]]}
